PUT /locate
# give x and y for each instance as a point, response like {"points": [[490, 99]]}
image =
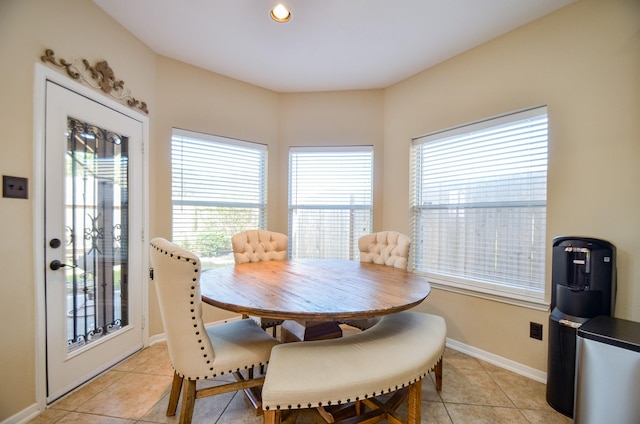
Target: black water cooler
{"points": [[583, 280]]}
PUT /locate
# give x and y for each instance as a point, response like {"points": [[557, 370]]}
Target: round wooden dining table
{"points": [[313, 290]]}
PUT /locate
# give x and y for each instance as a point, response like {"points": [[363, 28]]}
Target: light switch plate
{"points": [[15, 187]]}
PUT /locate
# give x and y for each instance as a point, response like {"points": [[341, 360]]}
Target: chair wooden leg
{"points": [[272, 417], [438, 373], [414, 403], [188, 402], [176, 386]]}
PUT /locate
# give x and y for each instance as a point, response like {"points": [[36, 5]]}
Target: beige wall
{"points": [[582, 61], [332, 118]]}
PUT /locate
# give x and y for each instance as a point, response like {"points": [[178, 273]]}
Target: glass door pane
{"points": [[96, 218]]}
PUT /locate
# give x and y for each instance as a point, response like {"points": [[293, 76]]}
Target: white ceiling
{"points": [[328, 44]]}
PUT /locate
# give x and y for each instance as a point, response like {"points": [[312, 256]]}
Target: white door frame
{"points": [[42, 75]]}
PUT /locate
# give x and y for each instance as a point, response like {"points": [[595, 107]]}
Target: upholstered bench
{"points": [[394, 354]]}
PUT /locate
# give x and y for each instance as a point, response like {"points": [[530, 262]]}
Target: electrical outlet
{"points": [[535, 330], [15, 187]]}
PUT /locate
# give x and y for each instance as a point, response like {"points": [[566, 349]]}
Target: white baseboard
{"points": [[156, 338], [23, 416], [499, 361]]}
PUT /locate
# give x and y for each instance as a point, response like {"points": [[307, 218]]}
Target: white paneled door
{"points": [[93, 237]]}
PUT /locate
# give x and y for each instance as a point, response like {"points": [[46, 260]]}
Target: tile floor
{"points": [[136, 391]]}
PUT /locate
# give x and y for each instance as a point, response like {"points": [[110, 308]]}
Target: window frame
{"points": [[493, 290]]}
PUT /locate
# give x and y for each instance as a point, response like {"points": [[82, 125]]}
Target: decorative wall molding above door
{"points": [[100, 76]]}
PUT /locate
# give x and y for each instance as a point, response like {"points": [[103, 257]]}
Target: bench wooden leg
{"points": [[272, 417], [414, 403], [326, 415]]}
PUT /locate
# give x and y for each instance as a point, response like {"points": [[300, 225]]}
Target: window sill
{"points": [[486, 293]]}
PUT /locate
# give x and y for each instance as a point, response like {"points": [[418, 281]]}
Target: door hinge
{"points": [[151, 273], [143, 322]]}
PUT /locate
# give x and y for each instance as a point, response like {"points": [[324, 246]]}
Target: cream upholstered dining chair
{"points": [[389, 248], [257, 246], [197, 351]]}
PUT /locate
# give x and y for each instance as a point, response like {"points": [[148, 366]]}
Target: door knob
{"points": [[56, 265]]}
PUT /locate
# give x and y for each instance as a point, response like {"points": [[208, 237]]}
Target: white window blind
{"points": [[219, 188], [330, 200], [479, 205]]}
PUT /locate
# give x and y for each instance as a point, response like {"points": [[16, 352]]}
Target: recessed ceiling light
{"points": [[280, 13]]}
